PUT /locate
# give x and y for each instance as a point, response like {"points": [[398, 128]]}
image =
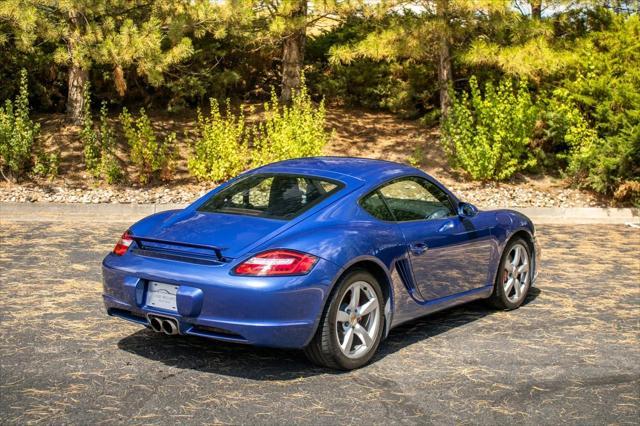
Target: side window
{"points": [[375, 206], [416, 199]]}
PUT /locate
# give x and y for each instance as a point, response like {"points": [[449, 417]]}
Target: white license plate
{"points": [[162, 296]]}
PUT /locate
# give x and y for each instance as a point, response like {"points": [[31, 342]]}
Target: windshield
{"points": [[275, 196]]}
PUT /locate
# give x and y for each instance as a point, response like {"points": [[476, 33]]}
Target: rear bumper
{"points": [[265, 311], [275, 334]]}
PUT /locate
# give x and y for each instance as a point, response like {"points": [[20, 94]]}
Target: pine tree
{"points": [[121, 34], [424, 31], [287, 23]]}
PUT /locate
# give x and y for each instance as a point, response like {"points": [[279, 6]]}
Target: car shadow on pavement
{"points": [[254, 363], [432, 325]]}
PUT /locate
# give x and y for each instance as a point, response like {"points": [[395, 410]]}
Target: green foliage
{"points": [[290, 131], [592, 121], [599, 163], [151, 158], [607, 88], [89, 137], [415, 160], [488, 135], [99, 144], [18, 134], [221, 151], [345, 67], [110, 169], [46, 164]]}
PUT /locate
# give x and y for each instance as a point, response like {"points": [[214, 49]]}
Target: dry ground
{"points": [[356, 133], [570, 355]]}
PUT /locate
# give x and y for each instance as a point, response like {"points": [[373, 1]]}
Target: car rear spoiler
{"points": [[141, 240]]}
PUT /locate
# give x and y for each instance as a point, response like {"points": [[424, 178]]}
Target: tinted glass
{"points": [[376, 207], [416, 199], [272, 196]]}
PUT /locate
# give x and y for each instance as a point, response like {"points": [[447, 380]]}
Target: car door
{"points": [[448, 253]]}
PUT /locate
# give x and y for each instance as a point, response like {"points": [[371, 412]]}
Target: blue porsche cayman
{"points": [[326, 254]]}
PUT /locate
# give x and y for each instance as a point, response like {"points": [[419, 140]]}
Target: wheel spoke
{"points": [[342, 316], [508, 286], [517, 286], [363, 334], [523, 268], [347, 340], [355, 298], [516, 257], [368, 307]]}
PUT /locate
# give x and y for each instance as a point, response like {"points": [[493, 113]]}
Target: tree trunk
{"points": [[445, 77], [293, 53], [75, 98], [77, 75], [536, 9]]}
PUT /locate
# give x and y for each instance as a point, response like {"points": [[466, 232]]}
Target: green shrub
{"points": [[99, 145], [46, 164], [110, 169], [489, 136], [290, 131], [89, 137], [221, 150], [592, 161], [18, 134], [416, 157], [151, 158], [603, 146]]}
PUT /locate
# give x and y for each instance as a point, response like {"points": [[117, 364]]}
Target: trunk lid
{"points": [[231, 233]]}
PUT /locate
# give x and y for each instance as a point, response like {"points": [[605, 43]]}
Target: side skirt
{"points": [[413, 309]]}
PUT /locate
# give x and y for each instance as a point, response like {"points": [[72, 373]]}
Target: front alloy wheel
{"points": [[514, 276], [351, 327]]}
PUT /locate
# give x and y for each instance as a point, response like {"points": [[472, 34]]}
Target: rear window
{"points": [[273, 196]]}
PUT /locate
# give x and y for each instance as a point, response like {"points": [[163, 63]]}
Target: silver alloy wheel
{"points": [[358, 320], [515, 273]]}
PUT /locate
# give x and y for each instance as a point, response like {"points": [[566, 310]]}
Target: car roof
{"points": [[366, 169]]}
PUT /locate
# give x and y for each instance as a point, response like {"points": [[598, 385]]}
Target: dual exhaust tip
{"points": [[163, 325]]}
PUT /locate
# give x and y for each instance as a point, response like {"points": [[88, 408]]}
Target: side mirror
{"points": [[467, 210]]}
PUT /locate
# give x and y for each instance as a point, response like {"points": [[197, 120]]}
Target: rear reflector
{"points": [[277, 262], [123, 244]]}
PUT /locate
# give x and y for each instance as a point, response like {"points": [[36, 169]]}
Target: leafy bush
{"points": [[290, 131], [599, 163], [151, 158], [18, 134], [99, 145], [488, 136], [110, 169], [46, 164], [604, 147], [89, 137], [221, 151]]}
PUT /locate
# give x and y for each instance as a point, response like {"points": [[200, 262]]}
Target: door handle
{"points": [[418, 248]]}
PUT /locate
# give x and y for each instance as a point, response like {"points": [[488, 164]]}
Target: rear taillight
{"points": [[123, 244], [277, 262]]}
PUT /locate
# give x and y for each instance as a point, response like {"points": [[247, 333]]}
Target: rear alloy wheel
{"points": [[514, 276], [351, 327]]}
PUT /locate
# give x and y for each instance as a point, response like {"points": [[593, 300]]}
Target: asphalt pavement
{"points": [[570, 355]]}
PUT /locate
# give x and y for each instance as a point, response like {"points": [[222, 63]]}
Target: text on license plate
{"points": [[162, 296]]}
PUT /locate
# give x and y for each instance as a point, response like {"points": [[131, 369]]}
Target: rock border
{"points": [[129, 213]]}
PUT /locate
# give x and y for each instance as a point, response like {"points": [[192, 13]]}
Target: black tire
{"points": [[324, 349], [499, 299]]}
